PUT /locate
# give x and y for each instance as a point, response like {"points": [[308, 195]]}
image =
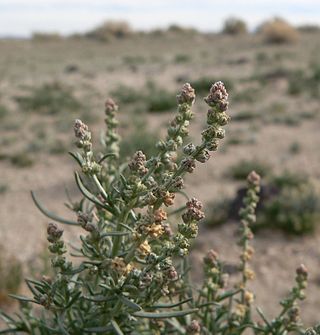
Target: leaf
{"points": [[209, 303], [263, 317], [77, 157], [73, 271], [179, 303], [22, 298], [73, 299], [130, 303], [228, 294], [110, 154], [116, 327], [89, 195], [61, 326], [114, 233], [175, 324], [7, 331], [164, 315], [98, 329], [50, 214]]}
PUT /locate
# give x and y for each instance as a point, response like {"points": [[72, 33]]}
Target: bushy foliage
{"points": [[234, 26], [278, 31], [10, 274], [132, 273], [110, 29], [294, 208], [241, 169], [289, 202], [51, 98]]}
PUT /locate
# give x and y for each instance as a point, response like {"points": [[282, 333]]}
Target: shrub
{"points": [[202, 84], [127, 94], [288, 202], [139, 139], [10, 275], [110, 29], [160, 100], [132, 276], [21, 159], [240, 170], [279, 31], [295, 209], [234, 26], [51, 98], [3, 112], [156, 100], [182, 58]]}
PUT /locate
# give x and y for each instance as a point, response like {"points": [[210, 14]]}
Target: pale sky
{"points": [[22, 17]]}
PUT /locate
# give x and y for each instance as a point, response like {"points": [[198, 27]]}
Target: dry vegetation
{"points": [[275, 90]]}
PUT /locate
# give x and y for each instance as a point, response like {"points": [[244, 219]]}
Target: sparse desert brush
{"points": [[129, 272], [10, 275], [289, 202], [109, 30], [241, 169], [50, 98], [278, 31], [234, 26]]}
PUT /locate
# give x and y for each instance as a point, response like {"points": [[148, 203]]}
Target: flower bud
{"points": [[187, 95]]}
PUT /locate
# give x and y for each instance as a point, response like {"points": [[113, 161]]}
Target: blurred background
{"points": [[60, 60]]}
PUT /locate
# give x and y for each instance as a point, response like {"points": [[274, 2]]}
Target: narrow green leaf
{"points": [[114, 233], [73, 299], [22, 298], [50, 214], [209, 303], [176, 325], [179, 303], [228, 294], [61, 326], [123, 179], [7, 331], [263, 317], [77, 157], [116, 327], [164, 315], [98, 329], [130, 303], [89, 195], [106, 156]]}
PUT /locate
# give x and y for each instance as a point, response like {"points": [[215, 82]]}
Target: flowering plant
{"points": [[132, 276]]}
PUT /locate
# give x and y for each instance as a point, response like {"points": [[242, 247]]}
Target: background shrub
{"points": [[10, 274], [50, 98], [110, 29], [239, 171], [234, 26], [279, 31]]}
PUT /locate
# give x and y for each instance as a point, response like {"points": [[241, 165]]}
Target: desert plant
{"points": [[234, 26], [278, 31], [241, 169], [132, 273], [10, 274], [22, 159], [295, 207], [201, 84], [110, 29], [288, 202], [50, 98]]}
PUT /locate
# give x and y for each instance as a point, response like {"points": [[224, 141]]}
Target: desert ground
{"points": [[275, 122]]}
